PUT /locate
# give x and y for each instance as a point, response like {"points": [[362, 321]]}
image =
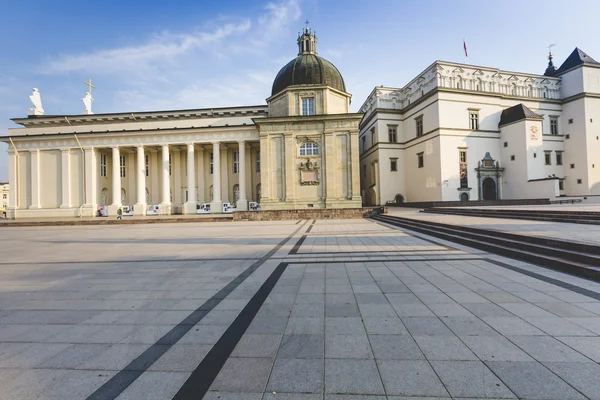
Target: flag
{"points": [[465, 47]]}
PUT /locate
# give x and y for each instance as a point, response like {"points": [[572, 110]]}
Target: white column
{"points": [[190, 205], [66, 178], [201, 188], [116, 182], [216, 205], [116, 177], [90, 179], [35, 179], [165, 204], [242, 204], [13, 180], [140, 206]]}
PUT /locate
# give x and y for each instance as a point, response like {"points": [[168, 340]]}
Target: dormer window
{"points": [[308, 106]]}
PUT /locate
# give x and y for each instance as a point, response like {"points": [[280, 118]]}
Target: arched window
{"points": [[529, 91], [459, 82], [479, 85], [123, 196], [309, 149], [513, 89]]}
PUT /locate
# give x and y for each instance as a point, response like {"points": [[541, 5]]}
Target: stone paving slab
{"points": [[361, 311]]}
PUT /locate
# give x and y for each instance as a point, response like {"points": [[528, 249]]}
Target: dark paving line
{"points": [[296, 247], [547, 279], [131, 261], [314, 222], [298, 222], [118, 383], [371, 252], [203, 376], [309, 228], [384, 260]]}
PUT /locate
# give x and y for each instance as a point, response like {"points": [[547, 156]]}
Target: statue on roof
{"points": [[36, 100], [87, 103]]}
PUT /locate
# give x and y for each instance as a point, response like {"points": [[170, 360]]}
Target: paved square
{"points": [[296, 310]]}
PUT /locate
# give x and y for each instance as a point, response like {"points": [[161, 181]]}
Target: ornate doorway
{"points": [[489, 189]]}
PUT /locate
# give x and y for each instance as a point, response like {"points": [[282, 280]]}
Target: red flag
{"points": [[465, 47]]}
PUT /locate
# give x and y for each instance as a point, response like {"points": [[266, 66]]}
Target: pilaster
{"points": [[216, 205], [65, 168], [190, 206], [35, 180], [242, 204], [140, 206], [165, 205], [116, 182]]}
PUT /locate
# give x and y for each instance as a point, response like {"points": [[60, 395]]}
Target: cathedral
{"points": [[300, 151], [461, 132], [455, 132]]}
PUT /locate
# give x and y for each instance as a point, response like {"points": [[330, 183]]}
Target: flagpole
{"points": [[464, 53]]}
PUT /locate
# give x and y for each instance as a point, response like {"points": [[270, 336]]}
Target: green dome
{"points": [[308, 69]]}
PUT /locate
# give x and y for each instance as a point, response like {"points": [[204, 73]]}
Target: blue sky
{"points": [[158, 55]]}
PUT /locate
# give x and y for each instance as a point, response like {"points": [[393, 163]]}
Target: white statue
{"points": [[87, 103], [36, 99]]}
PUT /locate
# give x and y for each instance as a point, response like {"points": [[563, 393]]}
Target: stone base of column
{"points": [[89, 210], [216, 207], [139, 209], [66, 206], [112, 209], [11, 213], [35, 207], [241, 205], [189, 208], [164, 209]]}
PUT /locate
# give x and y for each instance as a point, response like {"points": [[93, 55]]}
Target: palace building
{"points": [[465, 132], [298, 151]]}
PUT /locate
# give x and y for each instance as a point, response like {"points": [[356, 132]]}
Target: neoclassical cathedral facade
{"points": [[299, 151], [461, 132]]}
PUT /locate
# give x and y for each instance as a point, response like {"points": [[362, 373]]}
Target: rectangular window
{"points": [[169, 164], [474, 120], [572, 166], [420, 162], [462, 166], [554, 125], [373, 137], [364, 143], [419, 122], [579, 181], [512, 158], [147, 160], [559, 158], [392, 134], [561, 185], [570, 120], [211, 158], [122, 164], [308, 106], [258, 161], [364, 171], [4, 196], [236, 162], [505, 144], [548, 157], [102, 164], [393, 164]]}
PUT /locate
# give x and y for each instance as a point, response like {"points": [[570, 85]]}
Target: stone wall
{"points": [[326, 213]]}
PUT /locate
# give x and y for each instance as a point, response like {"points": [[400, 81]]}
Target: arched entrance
{"points": [[489, 189], [464, 196], [399, 199]]}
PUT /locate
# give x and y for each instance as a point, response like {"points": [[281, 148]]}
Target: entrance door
{"points": [[489, 189]]}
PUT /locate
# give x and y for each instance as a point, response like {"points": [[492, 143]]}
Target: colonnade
{"points": [[90, 179]]}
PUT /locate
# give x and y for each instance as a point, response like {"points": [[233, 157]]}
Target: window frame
{"points": [[419, 125], [103, 169], [211, 159], [474, 117], [393, 133], [553, 125], [147, 161], [393, 164], [122, 166], [421, 160], [306, 107], [548, 157], [309, 149], [257, 161], [559, 158], [236, 162]]}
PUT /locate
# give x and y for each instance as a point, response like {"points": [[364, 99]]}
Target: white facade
{"points": [[452, 108]]}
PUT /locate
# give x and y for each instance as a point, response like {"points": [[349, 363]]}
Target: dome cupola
{"points": [[308, 68]]}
